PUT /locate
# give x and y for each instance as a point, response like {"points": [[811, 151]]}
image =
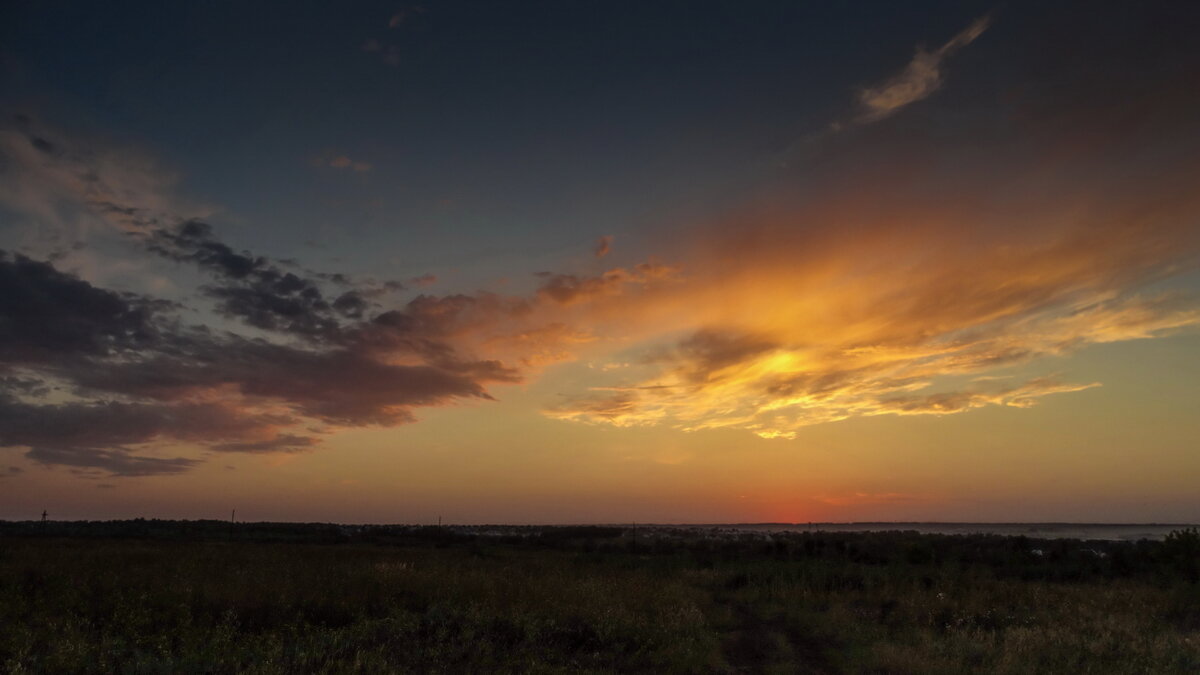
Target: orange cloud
{"points": [[883, 325], [883, 296], [569, 289]]}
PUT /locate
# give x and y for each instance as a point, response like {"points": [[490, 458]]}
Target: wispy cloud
{"points": [[344, 162], [424, 280], [404, 14], [603, 246], [878, 291], [919, 79], [388, 53], [782, 337]]}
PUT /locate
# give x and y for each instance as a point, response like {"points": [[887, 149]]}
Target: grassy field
{"points": [[206, 598]]}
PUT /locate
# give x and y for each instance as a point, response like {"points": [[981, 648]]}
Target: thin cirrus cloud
{"points": [[919, 79]]}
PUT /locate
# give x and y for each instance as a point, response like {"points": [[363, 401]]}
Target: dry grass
{"points": [[141, 606]]}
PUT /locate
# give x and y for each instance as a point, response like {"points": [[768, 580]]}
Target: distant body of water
{"points": [[1098, 531]]}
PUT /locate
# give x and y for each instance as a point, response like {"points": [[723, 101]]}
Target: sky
{"points": [[547, 262]]}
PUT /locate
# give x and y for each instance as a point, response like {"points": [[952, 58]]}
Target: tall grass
{"points": [[453, 604]]}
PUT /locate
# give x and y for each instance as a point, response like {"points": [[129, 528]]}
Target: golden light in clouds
{"points": [[790, 319]]}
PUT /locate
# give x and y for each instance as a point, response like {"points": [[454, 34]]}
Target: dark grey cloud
{"points": [[281, 443], [103, 381], [26, 386], [112, 436], [42, 144], [140, 378], [351, 304], [97, 434], [254, 288], [343, 386], [339, 386], [113, 461], [193, 241], [46, 314]]}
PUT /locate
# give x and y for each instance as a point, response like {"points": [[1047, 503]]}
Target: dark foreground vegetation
{"points": [[208, 597]]}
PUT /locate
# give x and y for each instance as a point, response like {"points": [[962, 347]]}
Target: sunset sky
{"points": [[556, 262]]}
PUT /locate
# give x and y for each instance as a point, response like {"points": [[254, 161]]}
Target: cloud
{"points": [[98, 435], [403, 14], [620, 409], [66, 193], [281, 443], [167, 379], [709, 352], [603, 246], [138, 377], [929, 273], [858, 498], [256, 289], [541, 344], [794, 315], [97, 380], [914, 275], [344, 162], [389, 54], [920, 78], [950, 402], [568, 289], [887, 327], [47, 315]]}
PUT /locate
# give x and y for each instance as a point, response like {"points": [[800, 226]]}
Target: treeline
{"points": [[1014, 557], [931, 555], [313, 533]]}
